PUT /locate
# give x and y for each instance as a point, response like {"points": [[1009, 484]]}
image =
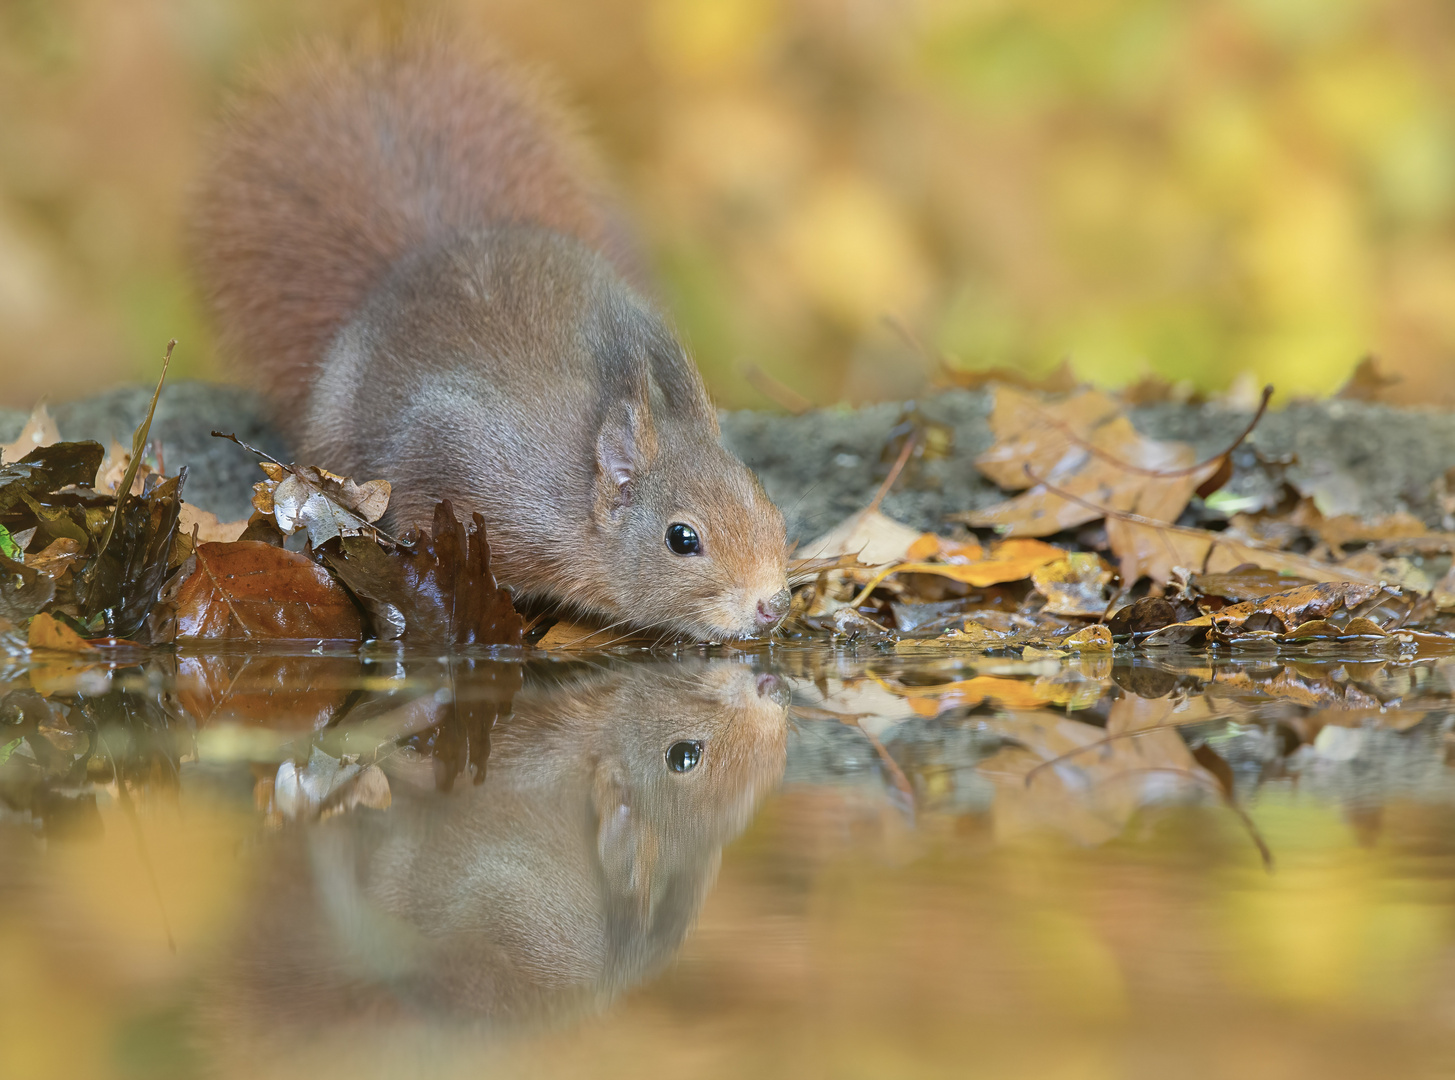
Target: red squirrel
{"points": [[412, 255]]}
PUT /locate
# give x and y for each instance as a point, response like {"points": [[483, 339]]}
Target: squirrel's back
{"points": [[336, 166]]}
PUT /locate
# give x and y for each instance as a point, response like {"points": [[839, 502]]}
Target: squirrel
{"points": [[412, 252]]}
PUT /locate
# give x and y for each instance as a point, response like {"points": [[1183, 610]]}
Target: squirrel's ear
{"points": [[624, 447]]}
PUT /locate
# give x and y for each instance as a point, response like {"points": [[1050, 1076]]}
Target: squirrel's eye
{"points": [[684, 756], [682, 539]]}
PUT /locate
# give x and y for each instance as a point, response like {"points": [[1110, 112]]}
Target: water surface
{"points": [[802, 862]]}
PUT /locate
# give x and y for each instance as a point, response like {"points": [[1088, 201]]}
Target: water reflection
{"points": [[571, 869], [266, 865]]}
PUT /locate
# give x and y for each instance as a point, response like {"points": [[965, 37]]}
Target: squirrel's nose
{"points": [[775, 607]]}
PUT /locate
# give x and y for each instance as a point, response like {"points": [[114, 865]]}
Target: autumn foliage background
{"points": [[1195, 189]]}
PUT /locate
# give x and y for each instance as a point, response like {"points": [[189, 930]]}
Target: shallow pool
{"points": [[798, 862]]}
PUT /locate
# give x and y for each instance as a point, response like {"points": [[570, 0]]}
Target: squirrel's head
{"points": [[693, 541]]}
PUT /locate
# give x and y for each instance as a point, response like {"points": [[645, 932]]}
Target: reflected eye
{"points": [[684, 756], [682, 539]]}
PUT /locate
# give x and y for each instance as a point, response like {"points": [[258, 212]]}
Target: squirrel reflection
{"points": [[572, 872]]}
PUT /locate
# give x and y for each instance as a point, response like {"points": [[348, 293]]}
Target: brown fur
{"points": [[412, 255]]}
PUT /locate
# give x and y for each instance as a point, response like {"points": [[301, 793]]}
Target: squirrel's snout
{"points": [[775, 607]]}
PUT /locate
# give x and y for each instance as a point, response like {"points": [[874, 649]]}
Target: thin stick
{"points": [[775, 391], [894, 472]]}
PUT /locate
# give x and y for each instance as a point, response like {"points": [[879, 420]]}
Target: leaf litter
{"points": [[1102, 527]]}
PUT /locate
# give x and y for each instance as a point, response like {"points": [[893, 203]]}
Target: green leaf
{"points": [[8, 547]]}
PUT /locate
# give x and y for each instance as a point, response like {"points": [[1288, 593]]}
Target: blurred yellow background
{"points": [[1194, 189]]}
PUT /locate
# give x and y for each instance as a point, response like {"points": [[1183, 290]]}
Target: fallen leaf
{"points": [[48, 632], [1148, 549], [574, 635], [1118, 470], [1030, 431], [439, 593], [253, 591], [1091, 639], [1277, 614], [867, 534], [40, 430], [24, 590], [1368, 383], [323, 504], [1245, 583], [45, 470], [56, 557], [209, 529], [122, 581], [1010, 560]]}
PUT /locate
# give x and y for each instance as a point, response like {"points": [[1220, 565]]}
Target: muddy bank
{"points": [[1351, 457]]}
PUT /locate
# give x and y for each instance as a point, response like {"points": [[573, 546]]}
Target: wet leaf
{"points": [[24, 590], [440, 593], [252, 591], [45, 470], [121, 583], [1143, 616], [1092, 639], [47, 632], [1246, 583]]}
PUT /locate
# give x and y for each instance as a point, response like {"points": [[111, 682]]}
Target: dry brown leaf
{"points": [[1152, 550], [39, 430], [1094, 485], [113, 469], [209, 529], [874, 538], [1023, 436], [575, 635], [322, 503]]}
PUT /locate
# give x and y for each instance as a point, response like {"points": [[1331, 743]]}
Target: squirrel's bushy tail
{"points": [[336, 165]]}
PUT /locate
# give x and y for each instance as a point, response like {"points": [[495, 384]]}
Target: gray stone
{"points": [[220, 474], [824, 465]]}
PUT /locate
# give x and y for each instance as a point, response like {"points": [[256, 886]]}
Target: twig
{"points": [[775, 391], [894, 472]]}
